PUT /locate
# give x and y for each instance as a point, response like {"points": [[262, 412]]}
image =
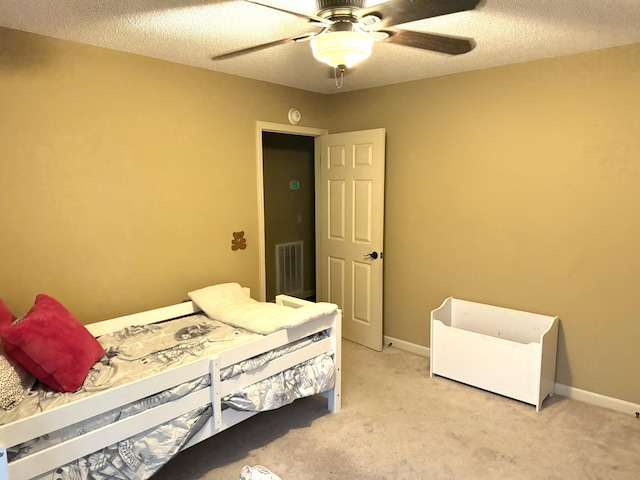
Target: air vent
{"points": [[289, 273]]}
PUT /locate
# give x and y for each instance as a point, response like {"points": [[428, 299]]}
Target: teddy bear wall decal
{"points": [[238, 242]]}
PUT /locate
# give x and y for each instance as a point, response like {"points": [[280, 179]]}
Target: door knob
{"points": [[372, 255]]}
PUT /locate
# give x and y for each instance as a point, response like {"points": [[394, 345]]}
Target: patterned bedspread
{"points": [[138, 351]]}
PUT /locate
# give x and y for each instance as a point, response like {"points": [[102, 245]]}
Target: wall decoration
{"points": [[238, 242]]}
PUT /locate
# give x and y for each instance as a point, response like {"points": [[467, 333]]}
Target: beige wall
{"points": [[122, 179], [518, 186]]}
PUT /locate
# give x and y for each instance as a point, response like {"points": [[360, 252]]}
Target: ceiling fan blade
{"points": [[430, 41], [312, 18], [263, 46], [397, 12]]}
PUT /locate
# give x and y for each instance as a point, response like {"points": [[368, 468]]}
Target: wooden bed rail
{"points": [[4, 468]]}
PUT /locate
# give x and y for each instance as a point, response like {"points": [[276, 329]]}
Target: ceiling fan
{"points": [[347, 29]]}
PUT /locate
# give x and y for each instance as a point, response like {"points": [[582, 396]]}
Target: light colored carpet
{"points": [[398, 423]]}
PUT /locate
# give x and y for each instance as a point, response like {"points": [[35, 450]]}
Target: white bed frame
{"points": [[505, 351], [41, 462]]}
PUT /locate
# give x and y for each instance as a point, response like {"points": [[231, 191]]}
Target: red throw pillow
{"points": [[6, 317], [50, 343]]}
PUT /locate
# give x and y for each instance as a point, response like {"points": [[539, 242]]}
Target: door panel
{"points": [[361, 298], [362, 211], [337, 210], [350, 227]]}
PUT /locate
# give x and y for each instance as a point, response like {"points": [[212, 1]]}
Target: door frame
{"points": [[290, 130]]}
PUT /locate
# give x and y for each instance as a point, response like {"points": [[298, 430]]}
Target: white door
{"points": [[350, 226]]}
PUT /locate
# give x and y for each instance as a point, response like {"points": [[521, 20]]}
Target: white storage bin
{"points": [[509, 352]]}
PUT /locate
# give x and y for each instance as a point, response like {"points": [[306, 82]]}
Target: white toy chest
{"points": [[509, 352]]}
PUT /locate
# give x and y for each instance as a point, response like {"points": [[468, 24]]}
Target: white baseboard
{"points": [[560, 389], [597, 399], [407, 346]]}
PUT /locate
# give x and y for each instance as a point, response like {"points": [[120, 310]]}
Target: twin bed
{"points": [[170, 378]]}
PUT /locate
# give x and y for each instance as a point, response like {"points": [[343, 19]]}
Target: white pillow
{"points": [[229, 303], [216, 299]]}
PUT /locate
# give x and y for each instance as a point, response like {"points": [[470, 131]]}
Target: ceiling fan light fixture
{"points": [[342, 48]]}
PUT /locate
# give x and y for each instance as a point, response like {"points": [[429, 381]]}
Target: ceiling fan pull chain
{"points": [[339, 68]]}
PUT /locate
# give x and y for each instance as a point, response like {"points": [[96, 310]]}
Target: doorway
{"points": [[289, 215], [349, 224], [287, 132]]}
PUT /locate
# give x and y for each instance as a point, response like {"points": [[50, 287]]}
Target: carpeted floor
{"points": [[397, 423]]}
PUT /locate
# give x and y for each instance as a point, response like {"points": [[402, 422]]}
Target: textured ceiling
{"points": [[192, 31]]}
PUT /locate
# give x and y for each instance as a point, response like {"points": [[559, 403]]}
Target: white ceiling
{"points": [[192, 31]]}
